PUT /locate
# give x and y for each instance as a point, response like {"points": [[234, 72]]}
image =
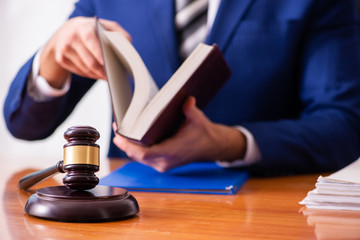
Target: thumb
{"points": [[192, 113]]}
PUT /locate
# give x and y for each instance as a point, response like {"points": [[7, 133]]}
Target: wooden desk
{"points": [[263, 209]]}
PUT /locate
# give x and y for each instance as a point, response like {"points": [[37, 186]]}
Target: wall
{"points": [[26, 25]]}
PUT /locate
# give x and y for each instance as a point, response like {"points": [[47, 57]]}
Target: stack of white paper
{"points": [[339, 191]]}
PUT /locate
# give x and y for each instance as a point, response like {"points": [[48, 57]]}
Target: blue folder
{"points": [[197, 177]]}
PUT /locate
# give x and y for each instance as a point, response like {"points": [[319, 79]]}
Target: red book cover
{"points": [[203, 84]]}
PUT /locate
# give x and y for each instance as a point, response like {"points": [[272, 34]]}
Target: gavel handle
{"points": [[36, 177]]}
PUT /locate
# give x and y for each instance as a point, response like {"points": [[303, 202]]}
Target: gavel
{"points": [[80, 200], [81, 161]]}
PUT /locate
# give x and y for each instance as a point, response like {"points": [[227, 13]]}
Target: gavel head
{"points": [[81, 157]]}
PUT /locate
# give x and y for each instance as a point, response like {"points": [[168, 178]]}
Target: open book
{"points": [[144, 113], [339, 191]]}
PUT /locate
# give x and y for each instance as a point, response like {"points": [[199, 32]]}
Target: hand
{"points": [[197, 139], [75, 48]]}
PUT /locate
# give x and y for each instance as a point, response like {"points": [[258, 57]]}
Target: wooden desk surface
{"points": [[263, 209]]}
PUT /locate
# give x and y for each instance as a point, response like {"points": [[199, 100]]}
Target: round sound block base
{"points": [[99, 204]]}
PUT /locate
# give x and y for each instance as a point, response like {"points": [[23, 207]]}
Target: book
{"points": [[196, 177], [338, 191], [142, 111]]}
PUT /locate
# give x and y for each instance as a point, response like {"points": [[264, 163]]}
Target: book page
{"points": [[128, 102], [168, 91], [115, 70]]}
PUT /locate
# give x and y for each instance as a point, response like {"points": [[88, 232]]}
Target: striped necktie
{"points": [[190, 22]]}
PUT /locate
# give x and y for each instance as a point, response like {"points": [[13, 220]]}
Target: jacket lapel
{"points": [[162, 14], [229, 15]]}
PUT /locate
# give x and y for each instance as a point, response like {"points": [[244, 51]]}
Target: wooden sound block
{"points": [[99, 204]]}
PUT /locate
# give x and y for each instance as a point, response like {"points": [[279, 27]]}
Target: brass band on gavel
{"points": [[81, 154]]}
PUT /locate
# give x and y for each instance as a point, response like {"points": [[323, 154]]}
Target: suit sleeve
{"points": [[325, 136], [28, 119]]}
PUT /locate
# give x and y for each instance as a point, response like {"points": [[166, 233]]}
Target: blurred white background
{"points": [[25, 26]]}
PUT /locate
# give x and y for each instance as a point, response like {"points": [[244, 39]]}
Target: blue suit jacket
{"points": [[295, 82]]}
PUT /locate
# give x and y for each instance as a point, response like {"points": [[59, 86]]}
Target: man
{"points": [[291, 105]]}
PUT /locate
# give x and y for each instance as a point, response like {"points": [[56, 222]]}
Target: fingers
{"points": [[86, 46], [73, 61], [178, 150], [83, 57], [114, 127], [80, 47], [91, 41], [162, 157], [114, 26], [145, 155], [75, 48], [134, 151]]}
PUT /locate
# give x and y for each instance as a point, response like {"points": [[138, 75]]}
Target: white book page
{"points": [[145, 87], [115, 70]]}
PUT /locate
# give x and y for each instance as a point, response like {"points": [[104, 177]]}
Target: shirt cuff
{"points": [[38, 88], [252, 154]]}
